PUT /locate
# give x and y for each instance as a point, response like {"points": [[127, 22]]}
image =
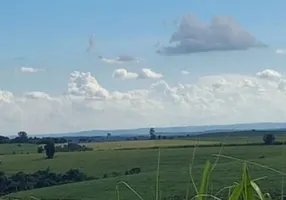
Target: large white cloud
{"points": [[269, 74], [124, 74], [145, 73], [223, 33], [217, 99]]}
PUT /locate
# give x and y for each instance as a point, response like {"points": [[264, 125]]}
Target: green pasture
{"points": [[174, 171]]}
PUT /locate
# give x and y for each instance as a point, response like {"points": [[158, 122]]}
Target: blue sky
{"points": [[53, 35]]}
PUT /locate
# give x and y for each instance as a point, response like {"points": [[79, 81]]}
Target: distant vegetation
{"points": [[45, 178], [70, 147], [25, 172], [42, 178], [23, 138]]}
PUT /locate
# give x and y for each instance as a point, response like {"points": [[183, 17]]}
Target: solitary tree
{"points": [[22, 136], [152, 134], [50, 149], [269, 138]]}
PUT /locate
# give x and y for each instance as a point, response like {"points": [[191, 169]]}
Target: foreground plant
{"points": [[247, 189]]}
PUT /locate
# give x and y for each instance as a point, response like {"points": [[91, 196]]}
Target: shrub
{"points": [[50, 149], [269, 139], [40, 149], [135, 170], [70, 147]]}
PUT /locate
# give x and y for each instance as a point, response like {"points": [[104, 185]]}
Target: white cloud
{"points": [[145, 73], [185, 72], [281, 51], [30, 70], [83, 84], [37, 95], [269, 74], [148, 73], [86, 104], [120, 59], [124, 74]]}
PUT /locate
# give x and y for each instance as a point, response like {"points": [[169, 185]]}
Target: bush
{"points": [[50, 149], [269, 139], [40, 149], [70, 147], [135, 170]]}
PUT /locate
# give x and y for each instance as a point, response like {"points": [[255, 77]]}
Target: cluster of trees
{"points": [[42, 178], [50, 149], [23, 138], [153, 135], [70, 147], [269, 138], [45, 178], [135, 170]]}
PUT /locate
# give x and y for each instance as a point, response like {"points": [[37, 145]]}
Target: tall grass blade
{"points": [[236, 193], [247, 188], [157, 176], [130, 188], [117, 192], [205, 180], [191, 170], [257, 190]]}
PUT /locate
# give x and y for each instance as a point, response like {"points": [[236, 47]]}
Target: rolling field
{"points": [[17, 148], [174, 170], [146, 144]]}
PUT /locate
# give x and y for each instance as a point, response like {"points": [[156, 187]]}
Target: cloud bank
{"points": [[86, 104], [222, 34]]}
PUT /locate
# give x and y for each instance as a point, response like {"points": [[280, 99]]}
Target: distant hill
{"points": [[180, 130]]}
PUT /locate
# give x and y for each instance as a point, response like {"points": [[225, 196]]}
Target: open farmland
{"points": [[17, 148], [174, 170], [147, 144]]}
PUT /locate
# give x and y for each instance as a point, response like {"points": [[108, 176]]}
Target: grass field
{"points": [[174, 169], [146, 144], [17, 148]]}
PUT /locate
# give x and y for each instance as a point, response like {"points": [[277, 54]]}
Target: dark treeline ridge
{"points": [[42, 178], [69, 147], [23, 138], [45, 178]]}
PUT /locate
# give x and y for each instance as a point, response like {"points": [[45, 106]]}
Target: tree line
{"points": [[42, 178], [69, 147], [23, 138], [45, 178]]}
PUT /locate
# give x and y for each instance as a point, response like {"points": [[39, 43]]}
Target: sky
{"points": [[68, 66]]}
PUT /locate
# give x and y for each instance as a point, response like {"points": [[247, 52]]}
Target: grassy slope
{"points": [[173, 177], [145, 144], [17, 148]]}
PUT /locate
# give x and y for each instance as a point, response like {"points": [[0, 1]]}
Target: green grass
{"points": [[174, 171], [240, 137], [145, 144], [17, 148]]}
